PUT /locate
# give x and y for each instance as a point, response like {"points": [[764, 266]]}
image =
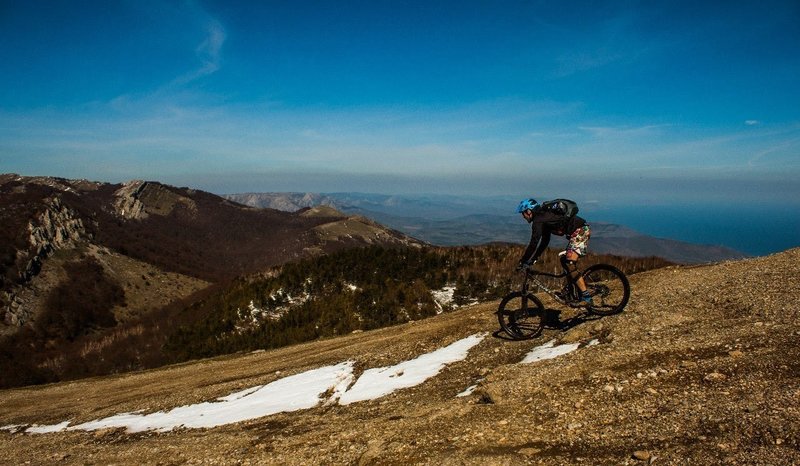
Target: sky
{"points": [[301, 391], [609, 101]]}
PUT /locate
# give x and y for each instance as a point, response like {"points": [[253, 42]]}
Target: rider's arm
{"points": [[542, 245], [532, 251]]}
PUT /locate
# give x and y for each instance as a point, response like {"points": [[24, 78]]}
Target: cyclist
{"points": [[546, 222]]}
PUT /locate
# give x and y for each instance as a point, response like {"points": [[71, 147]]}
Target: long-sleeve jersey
{"points": [[543, 225]]}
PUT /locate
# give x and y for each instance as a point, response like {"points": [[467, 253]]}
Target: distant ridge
{"points": [[446, 221]]}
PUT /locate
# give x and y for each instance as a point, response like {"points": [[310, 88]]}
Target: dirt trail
{"points": [[703, 367]]}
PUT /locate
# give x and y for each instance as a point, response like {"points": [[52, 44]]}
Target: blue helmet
{"points": [[527, 204]]}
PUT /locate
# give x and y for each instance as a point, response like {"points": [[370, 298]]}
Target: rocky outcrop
{"points": [[57, 227], [139, 199], [15, 313], [127, 203]]}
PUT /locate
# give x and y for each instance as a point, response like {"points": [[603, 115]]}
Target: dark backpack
{"points": [[563, 207]]}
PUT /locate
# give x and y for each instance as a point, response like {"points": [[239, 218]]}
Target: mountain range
{"points": [[81, 258], [116, 279], [97, 278], [463, 220]]}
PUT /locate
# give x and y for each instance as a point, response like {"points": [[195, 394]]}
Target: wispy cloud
{"points": [[612, 40], [574, 62], [183, 137], [622, 131], [785, 153], [209, 52]]}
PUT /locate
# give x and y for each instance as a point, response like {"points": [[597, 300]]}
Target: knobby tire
{"points": [[521, 316], [609, 288]]}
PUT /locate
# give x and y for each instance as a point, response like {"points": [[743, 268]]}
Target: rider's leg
{"points": [[570, 264], [578, 242]]}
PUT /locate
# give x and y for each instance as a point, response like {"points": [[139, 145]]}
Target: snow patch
{"points": [[469, 390], [550, 351], [443, 297], [293, 393], [301, 391], [378, 382], [13, 428], [327, 385], [35, 429]]}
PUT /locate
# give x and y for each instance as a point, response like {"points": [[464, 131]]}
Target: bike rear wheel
{"points": [[521, 316], [608, 287]]}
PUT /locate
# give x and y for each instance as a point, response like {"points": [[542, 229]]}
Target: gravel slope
{"points": [[701, 368]]}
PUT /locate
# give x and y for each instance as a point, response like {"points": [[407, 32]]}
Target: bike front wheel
{"points": [[608, 287], [521, 316]]}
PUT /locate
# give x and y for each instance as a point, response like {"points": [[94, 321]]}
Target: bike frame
{"points": [[531, 275], [521, 313]]}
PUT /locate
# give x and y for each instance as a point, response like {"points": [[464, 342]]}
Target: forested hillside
{"points": [[358, 289], [92, 274], [353, 289]]}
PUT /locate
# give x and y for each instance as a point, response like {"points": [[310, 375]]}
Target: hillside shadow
{"points": [[501, 334], [552, 319]]}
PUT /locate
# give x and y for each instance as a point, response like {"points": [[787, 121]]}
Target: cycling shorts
{"points": [[579, 240]]}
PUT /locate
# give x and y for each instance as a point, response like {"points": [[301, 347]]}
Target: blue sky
{"points": [[610, 101]]}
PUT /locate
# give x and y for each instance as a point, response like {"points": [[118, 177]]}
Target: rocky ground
{"points": [[701, 368]]}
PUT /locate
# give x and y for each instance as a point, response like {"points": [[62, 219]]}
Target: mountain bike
{"points": [[521, 313]]}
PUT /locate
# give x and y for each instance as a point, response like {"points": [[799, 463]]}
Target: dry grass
{"points": [[701, 368], [97, 346]]}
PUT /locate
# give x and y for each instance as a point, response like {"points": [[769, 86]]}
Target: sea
{"points": [[756, 230]]}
